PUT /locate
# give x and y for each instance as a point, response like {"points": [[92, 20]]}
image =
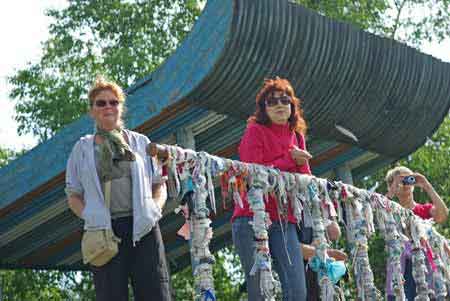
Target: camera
{"points": [[409, 180]]}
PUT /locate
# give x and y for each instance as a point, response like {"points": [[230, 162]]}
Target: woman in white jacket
{"points": [[116, 155]]}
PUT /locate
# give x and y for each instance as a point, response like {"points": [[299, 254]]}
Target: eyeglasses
{"points": [[102, 103], [273, 101]]}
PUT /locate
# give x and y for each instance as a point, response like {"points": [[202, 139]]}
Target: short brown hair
{"points": [[101, 84], [296, 120]]}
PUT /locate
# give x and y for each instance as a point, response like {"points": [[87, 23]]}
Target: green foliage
{"points": [[228, 278], [365, 14], [410, 21], [6, 155], [33, 285], [417, 21], [124, 40]]}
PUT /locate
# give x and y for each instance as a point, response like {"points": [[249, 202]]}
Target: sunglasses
{"points": [[102, 103], [273, 101]]}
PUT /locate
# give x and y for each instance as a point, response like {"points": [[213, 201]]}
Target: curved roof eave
{"points": [[389, 95]]}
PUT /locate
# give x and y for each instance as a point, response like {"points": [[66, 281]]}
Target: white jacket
{"points": [[82, 177]]}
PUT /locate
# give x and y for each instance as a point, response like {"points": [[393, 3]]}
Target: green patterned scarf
{"points": [[112, 150]]}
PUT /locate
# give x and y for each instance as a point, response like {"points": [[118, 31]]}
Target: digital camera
{"points": [[409, 180]]}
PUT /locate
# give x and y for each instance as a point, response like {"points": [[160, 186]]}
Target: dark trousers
{"points": [[312, 284], [144, 264]]}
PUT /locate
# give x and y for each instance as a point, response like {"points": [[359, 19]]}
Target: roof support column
{"points": [[344, 174], [185, 137]]}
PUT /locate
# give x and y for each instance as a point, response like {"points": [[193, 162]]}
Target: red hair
{"points": [[296, 121]]}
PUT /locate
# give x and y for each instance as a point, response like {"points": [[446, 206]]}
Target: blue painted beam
{"points": [[171, 83], [216, 243], [41, 203]]}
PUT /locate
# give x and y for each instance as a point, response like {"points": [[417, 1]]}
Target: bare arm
{"points": [[439, 212], [309, 251], [447, 248], [76, 204]]}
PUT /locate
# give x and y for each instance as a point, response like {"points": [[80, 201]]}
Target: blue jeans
{"points": [[292, 275]]}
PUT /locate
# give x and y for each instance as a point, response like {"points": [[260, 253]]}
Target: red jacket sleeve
{"points": [[305, 168], [251, 150]]}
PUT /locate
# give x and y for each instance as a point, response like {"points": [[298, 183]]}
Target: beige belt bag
{"points": [[100, 246]]}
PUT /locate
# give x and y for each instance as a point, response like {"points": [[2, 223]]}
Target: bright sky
{"points": [[23, 26]]}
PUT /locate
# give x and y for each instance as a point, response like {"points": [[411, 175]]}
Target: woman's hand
{"points": [[76, 204], [421, 181], [447, 248], [308, 251], [337, 254], [300, 156]]}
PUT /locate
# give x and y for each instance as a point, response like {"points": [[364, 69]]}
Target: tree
{"points": [[227, 273], [35, 285], [409, 21], [5, 156], [124, 40], [364, 14]]}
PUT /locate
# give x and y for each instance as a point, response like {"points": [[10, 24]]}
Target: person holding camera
{"points": [[401, 182]]}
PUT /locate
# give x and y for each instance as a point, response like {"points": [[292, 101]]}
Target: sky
{"points": [[23, 26]]}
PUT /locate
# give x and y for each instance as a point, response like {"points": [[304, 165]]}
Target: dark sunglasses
{"points": [[273, 101], [102, 103]]}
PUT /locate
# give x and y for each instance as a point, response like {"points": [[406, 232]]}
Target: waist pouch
{"points": [[99, 246]]}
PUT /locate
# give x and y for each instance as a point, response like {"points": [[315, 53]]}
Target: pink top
{"points": [[270, 146], [423, 210]]}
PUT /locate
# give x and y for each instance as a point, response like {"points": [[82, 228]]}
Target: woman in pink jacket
{"points": [[274, 137]]}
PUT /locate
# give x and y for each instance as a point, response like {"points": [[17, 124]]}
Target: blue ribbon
{"points": [[331, 268], [189, 185], [209, 295]]}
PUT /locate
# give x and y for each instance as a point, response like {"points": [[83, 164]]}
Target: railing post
{"points": [[344, 174], [185, 138]]}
